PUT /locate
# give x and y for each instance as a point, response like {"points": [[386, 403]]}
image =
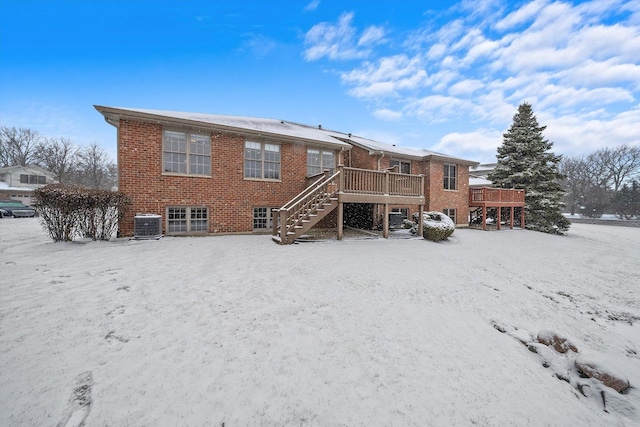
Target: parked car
{"points": [[15, 209]]}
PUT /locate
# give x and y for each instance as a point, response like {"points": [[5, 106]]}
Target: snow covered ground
{"points": [[236, 330]]}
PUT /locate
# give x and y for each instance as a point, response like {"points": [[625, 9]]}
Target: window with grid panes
{"points": [[186, 152], [451, 213], [262, 218], [320, 160], [450, 177], [187, 219], [403, 166], [261, 160]]}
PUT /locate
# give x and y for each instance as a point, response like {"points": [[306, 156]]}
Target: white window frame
{"points": [[263, 213], [323, 162], [393, 162], [194, 159], [449, 177], [258, 154], [451, 213], [195, 220]]}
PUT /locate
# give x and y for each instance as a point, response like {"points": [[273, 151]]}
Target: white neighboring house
{"points": [[19, 182], [478, 175]]}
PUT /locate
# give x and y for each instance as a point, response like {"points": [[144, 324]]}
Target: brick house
{"points": [[215, 174]]}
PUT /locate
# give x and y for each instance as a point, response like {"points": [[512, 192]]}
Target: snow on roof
{"points": [[479, 182], [375, 146], [254, 125], [273, 127], [6, 187]]}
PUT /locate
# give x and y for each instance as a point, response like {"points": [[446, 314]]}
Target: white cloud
{"points": [[465, 87], [338, 41], [387, 77], [387, 115], [575, 134], [311, 6], [479, 145], [371, 35], [258, 44], [522, 15], [439, 108]]}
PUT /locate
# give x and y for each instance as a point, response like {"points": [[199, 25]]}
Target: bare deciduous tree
{"points": [[94, 169], [621, 163], [58, 156], [18, 147]]}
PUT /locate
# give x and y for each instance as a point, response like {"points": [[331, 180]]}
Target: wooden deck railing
{"points": [[364, 181], [501, 196]]}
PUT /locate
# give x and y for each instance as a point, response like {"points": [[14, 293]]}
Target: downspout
{"points": [[380, 158]]}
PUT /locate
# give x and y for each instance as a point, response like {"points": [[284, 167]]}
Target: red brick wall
{"points": [[229, 197], [360, 158], [438, 198]]}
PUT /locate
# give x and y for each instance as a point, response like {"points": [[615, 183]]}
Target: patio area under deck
{"points": [[498, 198], [378, 187]]}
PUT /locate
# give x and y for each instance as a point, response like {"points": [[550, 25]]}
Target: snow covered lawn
{"points": [[237, 330]]}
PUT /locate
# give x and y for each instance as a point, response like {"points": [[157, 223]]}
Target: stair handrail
{"points": [[298, 208], [309, 189]]}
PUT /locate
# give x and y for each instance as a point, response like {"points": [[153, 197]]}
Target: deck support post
{"points": [[420, 221], [385, 221], [511, 218], [499, 216], [484, 217], [340, 220], [522, 218], [283, 228]]}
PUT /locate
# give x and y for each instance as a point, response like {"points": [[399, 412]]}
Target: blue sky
{"points": [[441, 75]]}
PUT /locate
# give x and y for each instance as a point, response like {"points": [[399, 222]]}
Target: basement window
{"points": [[262, 219], [451, 213], [187, 219]]}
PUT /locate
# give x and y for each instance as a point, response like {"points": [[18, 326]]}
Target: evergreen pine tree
{"points": [[525, 161]]}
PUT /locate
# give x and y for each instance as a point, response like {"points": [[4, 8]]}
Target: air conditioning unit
{"points": [[147, 226]]}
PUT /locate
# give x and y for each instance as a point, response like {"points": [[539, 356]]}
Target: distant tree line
{"points": [[87, 166], [606, 181]]}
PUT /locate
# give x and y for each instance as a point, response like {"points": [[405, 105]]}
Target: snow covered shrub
{"points": [[409, 224], [436, 226], [70, 210]]}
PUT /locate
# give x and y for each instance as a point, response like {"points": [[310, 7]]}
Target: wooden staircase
{"points": [[306, 209]]}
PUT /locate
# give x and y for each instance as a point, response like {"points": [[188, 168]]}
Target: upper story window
{"points": [[32, 179], [261, 160], [186, 152], [319, 161], [450, 177], [403, 166]]}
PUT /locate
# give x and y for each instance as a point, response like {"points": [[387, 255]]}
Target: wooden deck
{"points": [[497, 198], [346, 185]]}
